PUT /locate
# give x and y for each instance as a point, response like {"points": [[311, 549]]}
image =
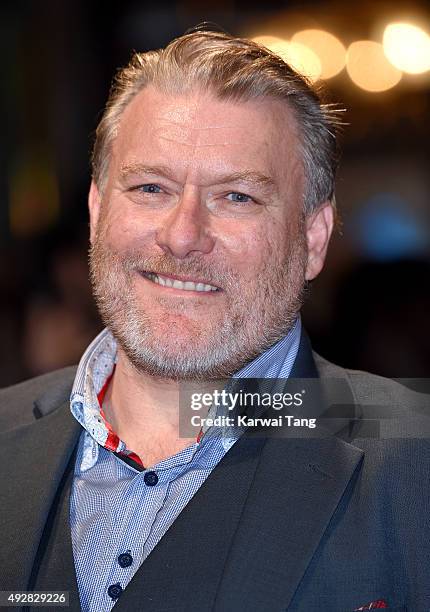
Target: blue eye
{"points": [[240, 198], [150, 188]]}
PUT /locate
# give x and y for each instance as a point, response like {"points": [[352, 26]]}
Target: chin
{"points": [[180, 331], [181, 358], [177, 366], [184, 348]]}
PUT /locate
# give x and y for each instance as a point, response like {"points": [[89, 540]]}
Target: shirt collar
{"points": [[98, 362]]}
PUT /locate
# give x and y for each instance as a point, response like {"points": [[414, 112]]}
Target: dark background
{"points": [[369, 309]]}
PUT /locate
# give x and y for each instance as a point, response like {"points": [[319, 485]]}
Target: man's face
{"points": [[208, 193]]}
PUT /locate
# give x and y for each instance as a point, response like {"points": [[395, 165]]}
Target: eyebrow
{"points": [[246, 176]]}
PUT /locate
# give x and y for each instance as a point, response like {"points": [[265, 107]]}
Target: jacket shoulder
{"points": [[371, 391], [19, 403]]}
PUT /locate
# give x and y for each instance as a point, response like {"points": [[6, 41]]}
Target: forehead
{"points": [[198, 132]]}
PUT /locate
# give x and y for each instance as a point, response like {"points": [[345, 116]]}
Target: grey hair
{"points": [[234, 69]]}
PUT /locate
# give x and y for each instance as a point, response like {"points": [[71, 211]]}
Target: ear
{"points": [[319, 226], [94, 203]]}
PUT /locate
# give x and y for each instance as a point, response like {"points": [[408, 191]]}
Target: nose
{"points": [[185, 230]]}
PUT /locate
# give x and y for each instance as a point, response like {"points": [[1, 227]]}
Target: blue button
{"points": [[115, 590], [125, 560], [150, 478]]}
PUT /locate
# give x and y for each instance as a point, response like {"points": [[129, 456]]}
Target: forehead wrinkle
{"points": [[192, 127], [198, 136], [195, 144]]}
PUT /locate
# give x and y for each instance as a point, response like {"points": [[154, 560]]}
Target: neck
{"points": [[144, 412]]}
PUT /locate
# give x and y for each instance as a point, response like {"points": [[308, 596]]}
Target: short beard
{"points": [[256, 317]]}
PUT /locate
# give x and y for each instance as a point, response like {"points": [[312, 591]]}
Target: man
{"points": [[211, 208]]}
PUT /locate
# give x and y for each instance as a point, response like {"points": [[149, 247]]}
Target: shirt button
{"points": [[115, 590], [125, 560], [150, 478]]}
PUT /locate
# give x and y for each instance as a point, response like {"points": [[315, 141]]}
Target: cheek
{"points": [[122, 230], [249, 251]]}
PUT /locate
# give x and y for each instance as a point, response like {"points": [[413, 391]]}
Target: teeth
{"points": [[178, 284]]}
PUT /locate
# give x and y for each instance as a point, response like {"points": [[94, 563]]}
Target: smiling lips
{"points": [[175, 283]]}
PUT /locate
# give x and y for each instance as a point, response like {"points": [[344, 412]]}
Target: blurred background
{"points": [[370, 309]]}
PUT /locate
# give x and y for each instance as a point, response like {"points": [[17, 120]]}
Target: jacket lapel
{"points": [[33, 460], [295, 492], [301, 478]]}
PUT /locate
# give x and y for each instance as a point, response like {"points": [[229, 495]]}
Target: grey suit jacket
{"points": [[326, 521]]}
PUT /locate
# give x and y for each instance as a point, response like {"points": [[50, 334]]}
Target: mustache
{"points": [[213, 274]]}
